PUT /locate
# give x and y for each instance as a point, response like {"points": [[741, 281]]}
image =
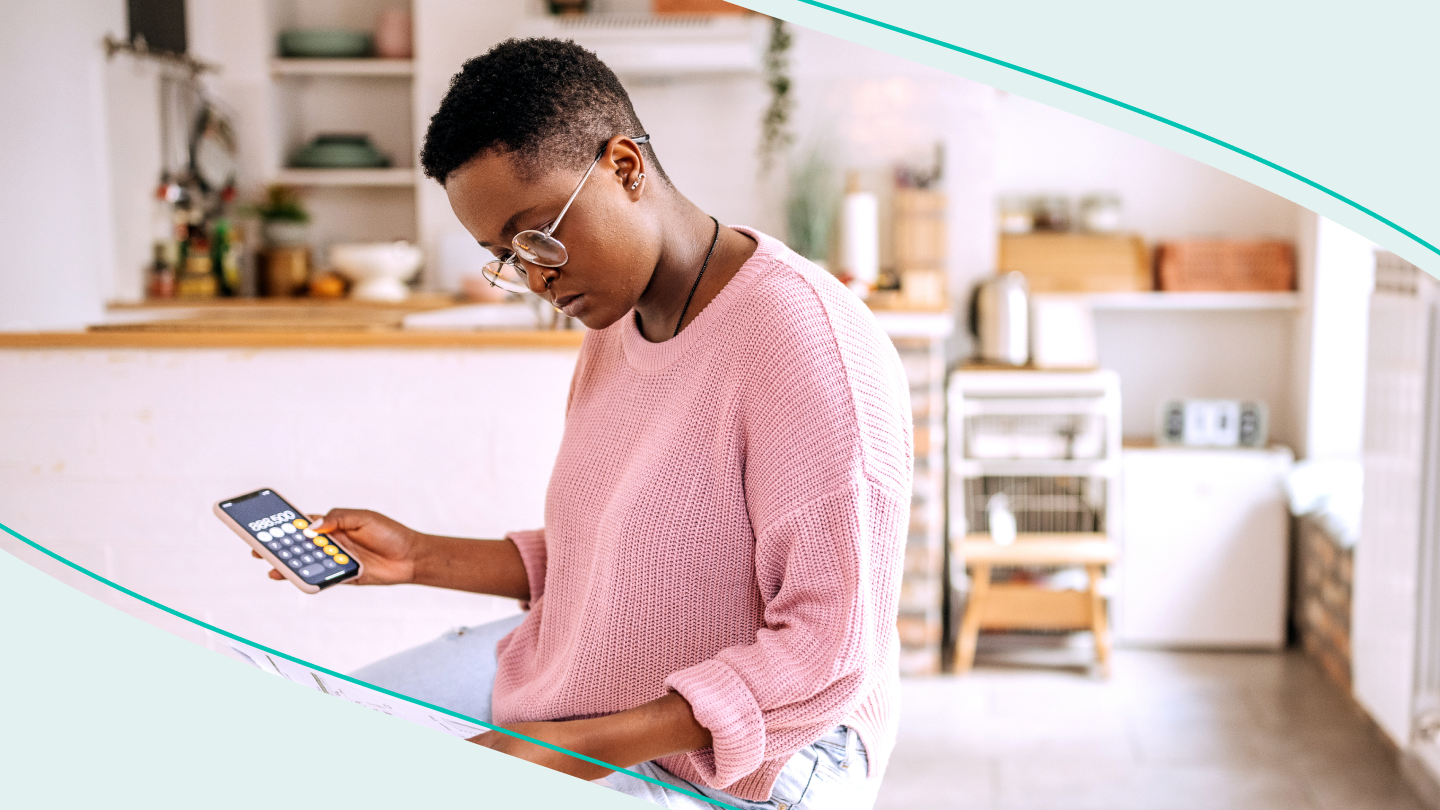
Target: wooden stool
{"points": [[1007, 606]]}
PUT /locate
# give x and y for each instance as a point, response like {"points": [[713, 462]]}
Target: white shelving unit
{"points": [[645, 45], [370, 96], [919, 338], [397, 178], [396, 68], [383, 98], [1050, 443], [1218, 301], [1050, 424]]}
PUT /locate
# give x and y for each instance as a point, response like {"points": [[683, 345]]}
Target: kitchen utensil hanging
{"points": [[213, 152]]}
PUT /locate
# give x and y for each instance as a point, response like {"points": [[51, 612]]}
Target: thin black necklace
{"points": [[713, 240]]}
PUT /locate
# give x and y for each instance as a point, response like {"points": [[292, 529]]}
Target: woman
{"points": [[712, 600]]}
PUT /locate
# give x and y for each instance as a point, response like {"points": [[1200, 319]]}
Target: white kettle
{"points": [[1000, 319]]}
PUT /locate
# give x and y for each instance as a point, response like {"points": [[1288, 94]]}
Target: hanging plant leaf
{"points": [[775, 134]]}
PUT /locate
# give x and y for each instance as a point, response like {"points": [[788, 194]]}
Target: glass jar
{"points": [[1100, 213], [1016, 214], [1052, 213]]}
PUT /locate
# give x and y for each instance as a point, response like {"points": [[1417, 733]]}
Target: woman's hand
{"points": [[659, 728], [567, 735], [387, 550]]}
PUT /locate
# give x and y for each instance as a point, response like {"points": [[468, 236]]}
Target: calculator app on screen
{"points": [[315, 558]]}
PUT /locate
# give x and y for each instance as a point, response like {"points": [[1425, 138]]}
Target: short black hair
{"points": [[548, 102]]}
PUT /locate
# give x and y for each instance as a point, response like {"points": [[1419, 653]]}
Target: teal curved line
{"points": [[1118, 103], [332, 673]]}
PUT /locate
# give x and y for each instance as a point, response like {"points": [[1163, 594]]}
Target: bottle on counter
{"points": [[161, 281], [165, 247], [198, 278], [859, 238], [225, 256]]}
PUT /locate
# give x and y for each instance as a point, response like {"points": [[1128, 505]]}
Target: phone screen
{"points": [[315, 558]]}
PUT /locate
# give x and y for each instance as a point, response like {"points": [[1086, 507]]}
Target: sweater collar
{"points": [[647, 356]]}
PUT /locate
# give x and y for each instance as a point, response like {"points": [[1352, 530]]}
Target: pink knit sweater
{"points": [[726, 519]]}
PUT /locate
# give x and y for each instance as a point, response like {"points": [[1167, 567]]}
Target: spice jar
{"points": [[1100, 213], [1017, 214], [1052, 213]]}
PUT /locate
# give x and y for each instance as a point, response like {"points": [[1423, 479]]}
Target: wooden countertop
{"points": [[283, 323], [303, 323], [296, 339]]}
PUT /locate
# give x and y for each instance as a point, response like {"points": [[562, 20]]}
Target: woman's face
{"points": [[612, 244]]}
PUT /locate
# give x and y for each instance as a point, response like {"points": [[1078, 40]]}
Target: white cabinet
{"points": [[1205, 548]]}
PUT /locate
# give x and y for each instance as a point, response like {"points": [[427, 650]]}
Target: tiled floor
{"points": [[1167, 731]]}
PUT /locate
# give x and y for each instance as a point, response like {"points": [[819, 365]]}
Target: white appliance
{"points": [[1206, 539], [1000, 319]]}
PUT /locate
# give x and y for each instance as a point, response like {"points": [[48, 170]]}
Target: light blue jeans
{"points": [[457, 672]]}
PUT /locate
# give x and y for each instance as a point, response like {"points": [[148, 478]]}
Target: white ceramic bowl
{"points": [[379, 270]]}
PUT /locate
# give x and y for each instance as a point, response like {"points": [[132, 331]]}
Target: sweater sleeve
{"points": [[831, 572], [531, 544]]}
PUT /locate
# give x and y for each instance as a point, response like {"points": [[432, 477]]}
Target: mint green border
{"points": [[212, 628], [1128, 107]]}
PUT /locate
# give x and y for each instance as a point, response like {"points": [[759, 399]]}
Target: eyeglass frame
{"points": [[492, 269]]}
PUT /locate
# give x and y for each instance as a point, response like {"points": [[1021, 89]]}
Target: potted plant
{"points": [[285, 222], [812, 202]]}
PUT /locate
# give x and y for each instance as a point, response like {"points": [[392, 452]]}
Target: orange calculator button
{"points": [[342, 559]]}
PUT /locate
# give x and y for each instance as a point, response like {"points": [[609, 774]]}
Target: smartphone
{"points": [[283, 537]]}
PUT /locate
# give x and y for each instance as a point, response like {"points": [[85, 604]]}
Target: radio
{"points": [[1214, 423]]}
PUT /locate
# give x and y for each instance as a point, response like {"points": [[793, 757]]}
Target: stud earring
{"points": [[636, 184]]}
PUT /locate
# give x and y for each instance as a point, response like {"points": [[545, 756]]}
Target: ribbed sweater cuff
{"points": [[531, 543], [722, 703]]}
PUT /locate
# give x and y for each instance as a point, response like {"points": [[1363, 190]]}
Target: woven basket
{"points": [[1225, 265]]}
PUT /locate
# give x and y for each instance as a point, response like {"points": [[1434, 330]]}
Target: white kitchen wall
{"points": [[56, 255], [1165, 195], [1164, 354], [132, 114], [112, 458]]}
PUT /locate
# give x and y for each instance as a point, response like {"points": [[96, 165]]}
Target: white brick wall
{"points": [[113, 458]]}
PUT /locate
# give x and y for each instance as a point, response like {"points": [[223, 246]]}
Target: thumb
{"points": [[340, 520]]}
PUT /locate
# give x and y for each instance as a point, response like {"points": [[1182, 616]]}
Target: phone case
{"points": [[269, 556]]}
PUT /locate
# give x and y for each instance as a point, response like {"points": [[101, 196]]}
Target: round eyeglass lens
{"points": [[538, 247], [504, 276]]}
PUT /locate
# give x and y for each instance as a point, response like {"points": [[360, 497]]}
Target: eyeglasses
{"points": [[538, 247]]}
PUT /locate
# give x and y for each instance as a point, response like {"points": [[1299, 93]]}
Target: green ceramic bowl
{"points": [[325, 43], [339, 152]]}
